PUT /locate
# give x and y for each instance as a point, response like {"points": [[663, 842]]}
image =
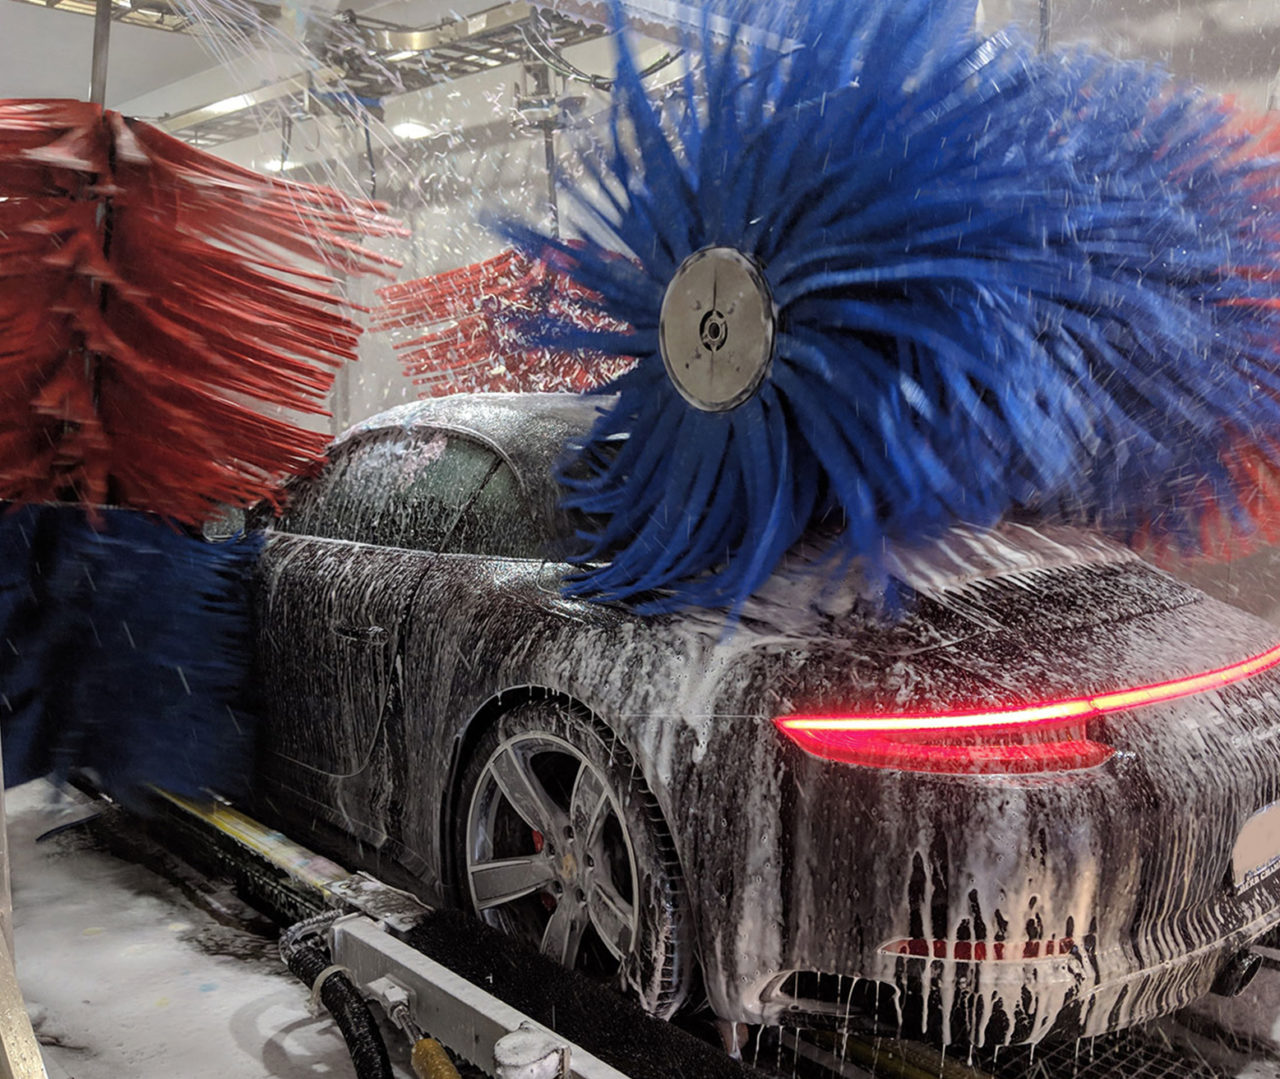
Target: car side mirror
{"points": [[223, 525]]}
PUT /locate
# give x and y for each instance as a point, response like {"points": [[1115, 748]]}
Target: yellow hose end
{"points": [[430, 1061]]}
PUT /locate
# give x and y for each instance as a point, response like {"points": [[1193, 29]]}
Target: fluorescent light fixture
{"points": [[275, 165], [411, 129], [229, 104]]}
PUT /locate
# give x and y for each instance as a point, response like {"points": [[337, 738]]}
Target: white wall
{"points": [[1229, 46]]}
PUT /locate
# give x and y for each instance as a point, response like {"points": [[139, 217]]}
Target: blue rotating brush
{"points": [[885, 275]]}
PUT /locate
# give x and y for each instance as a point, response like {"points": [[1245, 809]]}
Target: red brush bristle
{"points": [[161, 313], [465, 325], [1249, 458]]}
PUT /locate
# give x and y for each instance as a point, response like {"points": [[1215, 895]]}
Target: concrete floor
{"points": [[125, 978]]}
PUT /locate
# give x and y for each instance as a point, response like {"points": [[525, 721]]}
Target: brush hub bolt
{"points": [[717, 329], [714, 331]]}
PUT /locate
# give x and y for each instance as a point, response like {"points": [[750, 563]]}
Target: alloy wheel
{"points": [[548, 854]]}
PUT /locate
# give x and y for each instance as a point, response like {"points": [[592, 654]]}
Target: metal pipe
{"points": [[101, 41], [549, 150]]}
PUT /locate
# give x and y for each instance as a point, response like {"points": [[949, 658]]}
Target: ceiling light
{"points": [[411, 129], [229, 104]]}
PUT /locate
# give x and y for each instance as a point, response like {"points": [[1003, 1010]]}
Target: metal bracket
{"points": [[464, 1017]]}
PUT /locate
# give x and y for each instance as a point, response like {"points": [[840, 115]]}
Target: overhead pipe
{"points": [[101, 47]]}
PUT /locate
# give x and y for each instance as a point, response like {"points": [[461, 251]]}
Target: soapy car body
{"points": [[616, 787]]}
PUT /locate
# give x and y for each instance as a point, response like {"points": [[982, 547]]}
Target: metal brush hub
{"points": [[717, 329]]}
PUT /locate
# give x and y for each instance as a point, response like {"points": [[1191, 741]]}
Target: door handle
{"points": [[361, 634]]}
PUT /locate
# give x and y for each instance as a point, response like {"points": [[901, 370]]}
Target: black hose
{"points": [[308, 958]]}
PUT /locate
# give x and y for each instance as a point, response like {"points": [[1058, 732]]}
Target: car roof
{"points": [[528, 429]]}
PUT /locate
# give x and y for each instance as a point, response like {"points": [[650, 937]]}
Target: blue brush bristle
{"points": [[1006, 283], [126, 652]]}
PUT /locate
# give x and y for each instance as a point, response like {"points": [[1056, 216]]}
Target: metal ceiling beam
{"points": [[397, 60], [486, 22], [154, 14], [252, 99]]}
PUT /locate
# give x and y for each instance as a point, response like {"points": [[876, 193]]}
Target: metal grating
{"points": [[1140, 1053], [1167, 1049], [362, 61]]}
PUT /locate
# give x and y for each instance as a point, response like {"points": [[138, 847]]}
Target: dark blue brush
{"points": [[125, 649], [1003, 284]]}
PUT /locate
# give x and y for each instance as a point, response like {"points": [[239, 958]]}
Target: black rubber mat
{"points": [[574, 1006]]}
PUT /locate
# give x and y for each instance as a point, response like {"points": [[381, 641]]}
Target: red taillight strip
{"points": [[1024, 716]]}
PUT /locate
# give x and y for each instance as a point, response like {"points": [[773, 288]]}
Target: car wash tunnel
{"points": [[640, 539]]}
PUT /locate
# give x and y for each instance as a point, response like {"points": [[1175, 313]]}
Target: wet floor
{"points": [[126, 977]]}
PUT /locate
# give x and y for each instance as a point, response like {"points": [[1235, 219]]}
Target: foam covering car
{"points": [[1040, 798]]}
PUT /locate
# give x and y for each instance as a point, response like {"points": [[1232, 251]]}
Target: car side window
{"points": [[498, 522], [329, 504], [421, 489]]}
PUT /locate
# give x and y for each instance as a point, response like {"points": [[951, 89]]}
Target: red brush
{"points": [[467, 323], [152, 299], [1249, 459]]}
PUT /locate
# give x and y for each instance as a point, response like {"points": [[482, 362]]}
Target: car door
{"points": [[438, 651], [340, 568]]}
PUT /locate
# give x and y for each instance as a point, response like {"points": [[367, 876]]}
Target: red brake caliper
{"points": [[548, 900]]}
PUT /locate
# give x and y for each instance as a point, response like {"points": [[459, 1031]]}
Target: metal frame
{"points": [[407, 59], [455, 1012], [458, 1014], [153, 14], [19, 1051]]}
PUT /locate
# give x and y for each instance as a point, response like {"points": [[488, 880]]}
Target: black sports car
{"points": [[1042, 795]]}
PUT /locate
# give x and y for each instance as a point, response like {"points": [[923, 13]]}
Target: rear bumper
{"points": [[1115, 882], [1071, 995], [1004, 909]]}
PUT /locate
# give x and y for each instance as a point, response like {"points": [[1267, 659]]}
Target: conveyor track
{"points": [[294, 883]]}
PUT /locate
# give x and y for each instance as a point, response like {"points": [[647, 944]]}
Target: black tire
{"points": [[559, 843]]}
